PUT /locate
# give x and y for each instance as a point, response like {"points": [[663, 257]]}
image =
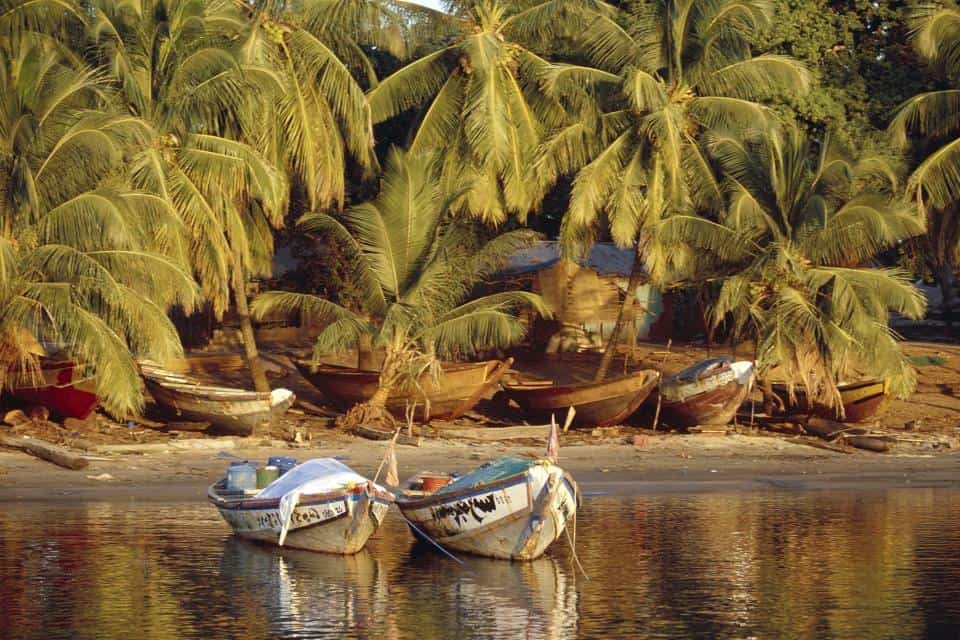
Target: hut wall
{"points": [[582, 297]]}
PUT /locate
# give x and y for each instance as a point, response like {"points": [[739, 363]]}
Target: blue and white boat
{"points": [[320, 505], [511, 508]]}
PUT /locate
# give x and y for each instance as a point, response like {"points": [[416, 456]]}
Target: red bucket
{"points": [[431, 483]]}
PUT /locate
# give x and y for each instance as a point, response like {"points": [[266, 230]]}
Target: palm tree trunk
{"points": [[366, 358], [257, 372], [633, 285]]}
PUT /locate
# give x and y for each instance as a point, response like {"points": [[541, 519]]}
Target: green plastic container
{"points": [[266, 475]]}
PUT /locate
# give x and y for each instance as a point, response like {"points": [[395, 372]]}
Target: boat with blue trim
{"points": [[511, 508], [320, 505]]}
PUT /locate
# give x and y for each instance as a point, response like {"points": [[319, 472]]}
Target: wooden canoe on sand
{"points": [[597, 403], [459, 387], [861, 400], [708, 393], [60, 386], [228, 410]]}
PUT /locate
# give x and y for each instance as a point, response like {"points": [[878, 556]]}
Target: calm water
{"points": [[882, 564]]}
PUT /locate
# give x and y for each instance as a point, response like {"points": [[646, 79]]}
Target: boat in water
{"points": [[597, 404], [862, 400], [511, 508], [228, 410], [708, 393], [59, 385], [320, 505], [451, 394]]}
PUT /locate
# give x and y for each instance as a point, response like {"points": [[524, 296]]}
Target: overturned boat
{"points": [[861, 401], [228, 410], [708, 393], [320, 505], [451, 394], [597, 404], [511, 508]]}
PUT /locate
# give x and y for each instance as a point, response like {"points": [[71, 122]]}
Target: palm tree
{"points": [[176, 64], [935, 183], [319, 116], [680, 67], [484, 111], [794, 244], [86, 262], [416, 269]]}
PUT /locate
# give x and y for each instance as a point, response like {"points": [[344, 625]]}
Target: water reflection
{"points": [[739, 565]]}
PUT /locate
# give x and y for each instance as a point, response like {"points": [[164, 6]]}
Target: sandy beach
{"points": [[664, 463], [134, 462]]}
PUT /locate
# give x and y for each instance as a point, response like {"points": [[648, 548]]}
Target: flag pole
{"points": [[383, 460]]}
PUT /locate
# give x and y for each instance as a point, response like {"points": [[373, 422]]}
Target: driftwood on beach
{"points": [[45, 451]]}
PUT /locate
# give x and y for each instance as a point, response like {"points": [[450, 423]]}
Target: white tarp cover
{"points": [[313, 476]]}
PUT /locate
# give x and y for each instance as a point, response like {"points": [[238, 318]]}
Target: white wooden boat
{"points": [[512, 508], [320, 505], [228, 410], [708, 393]]}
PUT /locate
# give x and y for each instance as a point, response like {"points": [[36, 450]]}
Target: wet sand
{"points": [[664, 463]]}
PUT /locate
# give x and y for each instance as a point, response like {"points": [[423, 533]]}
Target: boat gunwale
{"points": [[547, 390], [308, 499], [466, 492]]}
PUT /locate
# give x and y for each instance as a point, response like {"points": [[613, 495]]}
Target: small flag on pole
{"points": [[392, 479], [553, 442]]}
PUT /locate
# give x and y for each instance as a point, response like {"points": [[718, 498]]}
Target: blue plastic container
{"points": [[241, 476], [282, 462]]}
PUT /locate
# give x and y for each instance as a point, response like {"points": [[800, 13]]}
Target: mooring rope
{"points": [[432, 541], [573, 541]]}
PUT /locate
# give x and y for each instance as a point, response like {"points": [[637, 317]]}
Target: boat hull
{"points": [[458, 389], [229, 411], [339, 522], [596, 404], [710, 400], [516, 518], [862, 401], [59, 388]]}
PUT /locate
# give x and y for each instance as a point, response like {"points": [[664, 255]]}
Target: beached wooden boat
{"points": [[458, 388], [228, 410], [861, 400], [320, 505], [708, 393], [597, 403], [512, 508], [60, 386]]}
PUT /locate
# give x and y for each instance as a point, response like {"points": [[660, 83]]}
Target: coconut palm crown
{"points": [[416, 270], [682, 66], [483, 108], [794, 244], [87, 263], [935, 182]]}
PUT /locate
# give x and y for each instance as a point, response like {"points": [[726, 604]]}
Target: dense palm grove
{"points": [[798, 173]]}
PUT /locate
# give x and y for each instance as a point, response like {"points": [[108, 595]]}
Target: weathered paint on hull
{"points": [[232, 416], [716, 407], [340, 523], [459, 388], [710, 401], [513, 519], [597, 404]]}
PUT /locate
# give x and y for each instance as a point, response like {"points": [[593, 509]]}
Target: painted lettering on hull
{"points": [[466, 514], [270, 519], [476, 508]]}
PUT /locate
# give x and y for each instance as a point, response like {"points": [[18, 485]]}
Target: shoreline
{"points": [[664, 465]]}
